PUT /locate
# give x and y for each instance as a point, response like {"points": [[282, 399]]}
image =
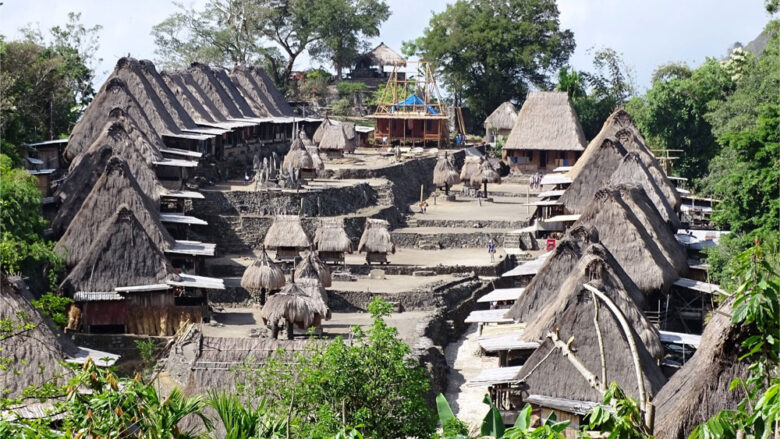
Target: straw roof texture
{"points": [[262, 273], [181, 84], [598, 165], [298, 157], [116, 187], [286, 231], [444, 173], [221, 75], [259, 91], [382, 55], [556, 268], [118, 138], [633, 142], [214, 96], [376, 237], [616, 121], [598, 268], [485, 174], [547, 121], [312, 267], [470, 167], [700, 389], [109, 264], [317, 137], [331, 236], [316, 160], [632, 170], [502, 118], [37, 354], [635, 233], [337, 138], [295, 304]]}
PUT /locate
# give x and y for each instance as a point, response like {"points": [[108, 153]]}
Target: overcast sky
{"points": [[647, 33]]}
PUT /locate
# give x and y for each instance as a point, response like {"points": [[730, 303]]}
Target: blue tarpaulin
{"points": [[412, 101]]}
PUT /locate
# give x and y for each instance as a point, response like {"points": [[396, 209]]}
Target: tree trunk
{"points": [[289, 325]]}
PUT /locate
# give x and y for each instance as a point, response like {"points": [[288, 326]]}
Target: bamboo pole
{"points": [[567, 353], [600, 338]]}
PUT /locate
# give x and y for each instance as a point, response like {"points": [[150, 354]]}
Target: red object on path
{"points": [[550, 245]]}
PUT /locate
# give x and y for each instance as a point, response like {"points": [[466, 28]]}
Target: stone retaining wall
{"points": [[476, 239]]}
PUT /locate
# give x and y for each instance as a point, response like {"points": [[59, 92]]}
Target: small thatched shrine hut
{"points": [[500, 122], [287, 237], [293, 306], [312, 263], [332, 241], [700, 389], [337, 140], [593, 172], [320, 132], [486, 174], [470, 167], [262, 276], [298, 158], [376, 241], [547, 133], [444, 173], [633, 171]]}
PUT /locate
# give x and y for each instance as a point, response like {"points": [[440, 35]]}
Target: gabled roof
{"points": [[382, 55], [632, 170], [547, 121], [260, 92], [502, 118], [597, 166], [286, 231]]}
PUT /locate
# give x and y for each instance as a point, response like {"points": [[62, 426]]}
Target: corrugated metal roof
{"points": [[96, 296], [502, 294], [506, 342], [488, 316], [500, 375]]}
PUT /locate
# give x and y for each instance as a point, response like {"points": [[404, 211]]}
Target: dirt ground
{"points": [[470, 209]]}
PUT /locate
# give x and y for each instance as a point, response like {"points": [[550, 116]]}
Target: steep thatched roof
{"points": [[485, 174], [118, 138], [313, 267], [382, 55], [214, 96], [117, 186], [260, 92], [37, 354], [632, 170], [547, 121], [314, 153], [317, 137], [502, 118], [633, 142], [635, 233], [286, 231], [616, 121], [233, 93], [598, 268], [297, 305], [470, 167], [110, 264], [700, 389], [597, 166], [556, 268], [262, 273], [114, 99], [337, 137], [182, 86], [298, 157], [331, 236], [444, 173], [376, 237]]}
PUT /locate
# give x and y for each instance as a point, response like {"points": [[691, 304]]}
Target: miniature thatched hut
{"points": [[486, 174], [337, 140], [287, 237], [633, 171], [298, 158], [376, 241], [117, 186], [594, 170], [294, 306], [332, 241], [320, 132], [470, 167], [316, 160], [444, 173], [262, 276], [700, 389], [312, 263], [500, 122]]}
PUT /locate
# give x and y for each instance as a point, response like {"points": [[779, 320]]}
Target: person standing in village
{"points": [[492, 249]]}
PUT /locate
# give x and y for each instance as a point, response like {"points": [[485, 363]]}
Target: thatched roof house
{"points": [[595, 168], [189, 96], [598, 268], [294, 304], [220, 101], [331, 237], [500, 122], [382, 55], [312, 267], [317, 137], [298, 157], [338, 139], [233, 93], [108, 264], [376, 237], [116, 187], [633, 171], [259, 91], [286, 232], [632, 140], [470, 167], [546, 134], [635, 233], [444, 173], [700, 389], [262, 274]]}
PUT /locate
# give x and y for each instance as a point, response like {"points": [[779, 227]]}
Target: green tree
{"points": [[491, 51]]}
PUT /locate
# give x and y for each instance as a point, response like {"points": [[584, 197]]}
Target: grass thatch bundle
{"points": [[295, 304], [336, 138], [286, 232], [470, 167], [502, 118], [121, 255], [116, 187], [259, 91], [312, 266], [262, 274], [317, 137], [540, 291], [444, 173], [633, 142], [315, 157], [376, 237], [596, 168], [635, 233], [547, 121], [700, 389], [632, 170], [598, 268], [298, 157], [485, 174], [314, 289], [331, 236]]}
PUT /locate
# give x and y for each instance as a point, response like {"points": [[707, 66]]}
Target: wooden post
{"points": [[421, 193], [528, 198]]}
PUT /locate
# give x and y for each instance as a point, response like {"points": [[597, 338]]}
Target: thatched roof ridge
{"points": [[221, 75], [262, 273], [376, 237], [260, 92], [204, 79], [598, 165], [317, 137], [117, 186], [556, 268], [547, 121], [598, 268], [502, 118], [635, 233], [175, 109], [616, 121], [383, 55], [286, 231], [108, 263], [444, 173], [118, 138], [337, 138], [633, 142], [632, 170], [331, 236], [700, 389], [180, 84], [312, 264], [486, 173], [112, 100], [298, 157]]}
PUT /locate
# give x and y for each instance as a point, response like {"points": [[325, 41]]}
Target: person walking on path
{"points": [[492, 250]]}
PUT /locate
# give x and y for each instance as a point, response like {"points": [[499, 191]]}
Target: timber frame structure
{"points": [[410, 110]]}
